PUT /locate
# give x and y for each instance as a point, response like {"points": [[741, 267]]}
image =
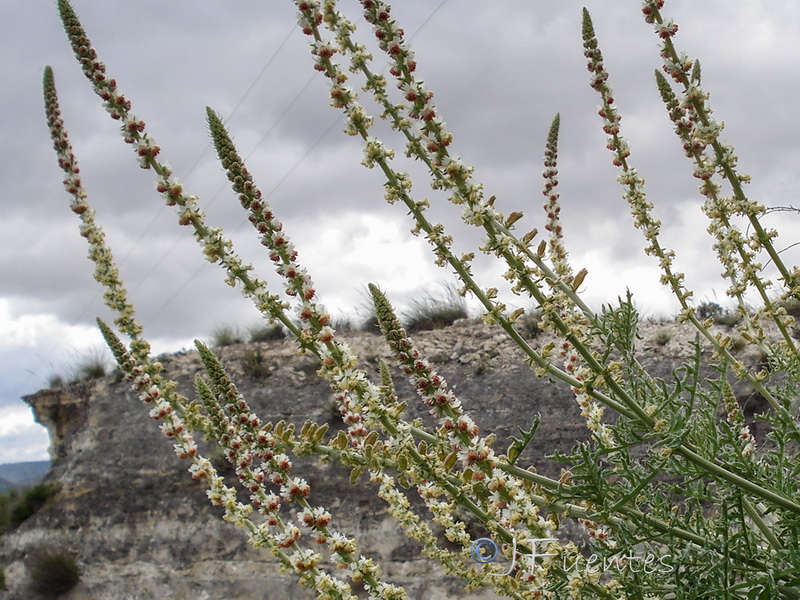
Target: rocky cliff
{"points": [[141, 528]]}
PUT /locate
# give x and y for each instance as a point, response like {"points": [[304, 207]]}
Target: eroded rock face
{"points": [[141, 528]]}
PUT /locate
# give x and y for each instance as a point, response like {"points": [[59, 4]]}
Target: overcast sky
{"points": [[500, 71]]}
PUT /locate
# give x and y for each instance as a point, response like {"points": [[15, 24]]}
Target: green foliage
{"points": [[17, 505], [53, 574], [6, 500], [2, 579]]}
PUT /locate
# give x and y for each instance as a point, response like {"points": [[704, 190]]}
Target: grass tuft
{"points": [[266, 333], [435, 313], [16, 506], [663, 336], [721, 316], [255, 365], [54, 574], [226, 335]]}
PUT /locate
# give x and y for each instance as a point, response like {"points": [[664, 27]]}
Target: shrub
{"points": [[435, 313], [663, 479], [56, 380], [530, 323], [16, 505], [254, 364], [663, 336], [738, 343], [266, 333], [720, 316], [92, 366], [226, 335], [54, 574], [6, 500]]}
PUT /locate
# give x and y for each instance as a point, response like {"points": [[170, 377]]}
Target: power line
{"points": [[238, 105], [157, 215]]}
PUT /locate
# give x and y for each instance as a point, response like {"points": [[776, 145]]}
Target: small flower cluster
{"points": [[178, 418], [736, 252], [736, 421], [252, 447], [509, 502]]}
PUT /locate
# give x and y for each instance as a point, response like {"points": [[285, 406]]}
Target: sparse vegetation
{"points": [[435, 313], [266, 333], [56, 380], [791, 306], [738, 343], [371, 324], [54, 574], [343, 323], [254, 364], [2, 579], [721, 316], [663, 336], [16, 506], [226, 335], [95, 365], [530, 323]]}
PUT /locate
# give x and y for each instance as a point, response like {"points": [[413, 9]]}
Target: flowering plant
{"points": [[718, 513]]}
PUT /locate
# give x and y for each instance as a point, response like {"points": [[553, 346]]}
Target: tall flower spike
{"points": [[558, 254], [641, 209], [479, 462], [105, 273], [725, 158]]}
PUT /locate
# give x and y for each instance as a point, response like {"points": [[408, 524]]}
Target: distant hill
{"points": [[22, 474]]}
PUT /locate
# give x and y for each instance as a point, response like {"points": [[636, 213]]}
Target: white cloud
{"points": [[21, 438]]}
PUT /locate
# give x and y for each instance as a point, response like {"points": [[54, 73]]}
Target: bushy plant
{"points": [[53, 574], [676, 502], [718, 314], [226, 335], [254, 364], [663, 336], [266, 333], [17, 505], [92, 366], [435, 313], [530, 323], [56, 380]]}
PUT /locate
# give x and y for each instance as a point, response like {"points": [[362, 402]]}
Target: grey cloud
{"points": [[500, 72]]}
